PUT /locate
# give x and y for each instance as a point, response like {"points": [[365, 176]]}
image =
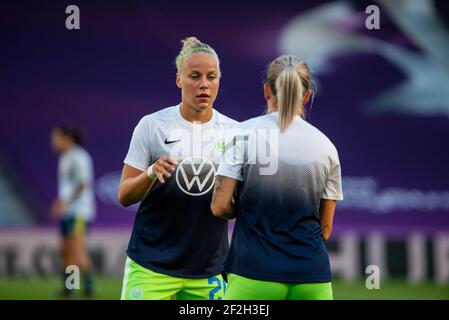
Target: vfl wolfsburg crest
{"points": [[195, 176], [220, 145], [136, 294]]}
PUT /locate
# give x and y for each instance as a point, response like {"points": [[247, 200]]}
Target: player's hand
{"points": [[164, 167], [58, 207]]}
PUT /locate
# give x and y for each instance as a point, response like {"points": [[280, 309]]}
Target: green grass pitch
{"points": [[109, 289]]}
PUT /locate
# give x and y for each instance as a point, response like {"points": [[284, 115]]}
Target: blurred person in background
{"points": [[282, 218], [74, 207], [177, 247]]}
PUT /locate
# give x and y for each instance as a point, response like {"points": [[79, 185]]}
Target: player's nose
{"points": [[204, 83]]}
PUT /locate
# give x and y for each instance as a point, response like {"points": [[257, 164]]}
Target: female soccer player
{"points": [[177, 247], [75, 204], [284, 206]]}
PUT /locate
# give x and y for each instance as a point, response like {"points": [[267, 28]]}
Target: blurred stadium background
{"points": [[383, 98]]}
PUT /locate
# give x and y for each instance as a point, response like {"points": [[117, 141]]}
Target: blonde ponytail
{"points": [[288, 78], [289, 96]]}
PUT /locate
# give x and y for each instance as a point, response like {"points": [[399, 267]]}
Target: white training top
{"points": [[174, 231], [75, 168], [284, 176]]}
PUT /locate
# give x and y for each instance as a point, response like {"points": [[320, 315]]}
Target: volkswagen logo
{"points": [[195, 176]]}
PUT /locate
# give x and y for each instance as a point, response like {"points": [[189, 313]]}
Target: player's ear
{"points": [[178, 80], [307, 96], [266, 91]]}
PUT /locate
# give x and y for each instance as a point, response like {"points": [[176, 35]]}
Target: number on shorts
{"points": [[219, 284]]}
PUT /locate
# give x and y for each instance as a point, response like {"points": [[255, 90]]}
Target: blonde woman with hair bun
{"points": [[177, 248], [284, 216]]}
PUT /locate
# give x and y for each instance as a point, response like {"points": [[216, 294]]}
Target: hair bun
{"points": [[190, 42], [191, 45]]}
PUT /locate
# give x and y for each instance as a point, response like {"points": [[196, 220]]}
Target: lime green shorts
{"points": [[241, 288], [140, 283]]}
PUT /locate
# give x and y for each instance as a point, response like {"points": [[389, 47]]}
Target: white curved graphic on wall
{"points": [[331, 29], [106, 188]]}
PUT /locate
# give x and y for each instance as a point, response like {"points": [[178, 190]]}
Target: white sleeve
{"points": [[333, 187], [139, 155], [82, 169], [231, 164]]}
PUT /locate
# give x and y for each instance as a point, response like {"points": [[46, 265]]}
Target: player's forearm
{"points": [[134, 189], [326, 231], [327, 211], [222, 205], [223, 211]]}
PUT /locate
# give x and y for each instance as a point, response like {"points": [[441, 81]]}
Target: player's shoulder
{"points": [[318, 136], [225, 121], [79, 153], [250, 126], [258, 122]]}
